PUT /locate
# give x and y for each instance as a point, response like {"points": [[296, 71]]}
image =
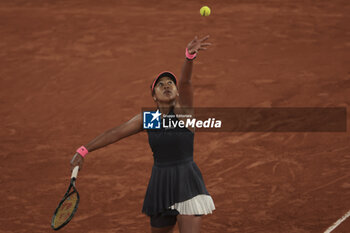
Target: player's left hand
{"points": [[197, 44]]}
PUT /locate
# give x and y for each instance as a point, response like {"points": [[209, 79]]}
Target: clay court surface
{"points": [[70, 70]]}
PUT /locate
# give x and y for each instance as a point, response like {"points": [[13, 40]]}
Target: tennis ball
{"points": [[204, 11]]}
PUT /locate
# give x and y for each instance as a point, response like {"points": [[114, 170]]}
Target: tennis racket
{"points": [[68, 205]]}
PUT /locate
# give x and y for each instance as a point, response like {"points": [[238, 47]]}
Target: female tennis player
{"points": [[176, 191]]}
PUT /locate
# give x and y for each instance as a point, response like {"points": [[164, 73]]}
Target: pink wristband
{"points": [[82, 151], [190, 56]]}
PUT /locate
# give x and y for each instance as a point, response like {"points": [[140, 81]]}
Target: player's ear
{"points": [[153, 95]]}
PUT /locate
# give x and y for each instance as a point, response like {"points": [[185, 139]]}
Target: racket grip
{"points": [[75, 172]]}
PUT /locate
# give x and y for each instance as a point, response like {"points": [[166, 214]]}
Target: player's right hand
{"points": [[77, 160]]}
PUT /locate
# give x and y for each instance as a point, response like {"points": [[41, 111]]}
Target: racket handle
{"points": [[75, 172]]}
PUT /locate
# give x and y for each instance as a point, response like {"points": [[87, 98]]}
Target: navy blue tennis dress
{"points": [[176, 185]]}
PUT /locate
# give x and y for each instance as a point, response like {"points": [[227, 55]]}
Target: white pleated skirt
{"points": [[198, 205]]}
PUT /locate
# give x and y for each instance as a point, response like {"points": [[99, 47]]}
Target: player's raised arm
{"points": [[129, 128], [185, 85]]}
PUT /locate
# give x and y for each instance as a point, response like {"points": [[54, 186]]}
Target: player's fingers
{"points": [[204, 38], [81, 162], [72, 166], [72, 163], [194, 41], [204, 48], [77, 160], [205, 44]]}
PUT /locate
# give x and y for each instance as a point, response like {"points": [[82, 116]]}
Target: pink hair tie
{"points": [[82, 151], [190, 56]]}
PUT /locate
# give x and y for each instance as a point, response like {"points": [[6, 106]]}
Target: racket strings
{"points": [[66, 209]]}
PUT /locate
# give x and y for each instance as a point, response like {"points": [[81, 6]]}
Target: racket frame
{"points": [[66, 195]]}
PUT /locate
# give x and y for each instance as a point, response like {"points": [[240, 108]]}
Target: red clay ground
{"points": [[72, 69]]}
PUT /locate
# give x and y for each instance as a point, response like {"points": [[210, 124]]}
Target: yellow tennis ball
{"points": [[204, 11]]}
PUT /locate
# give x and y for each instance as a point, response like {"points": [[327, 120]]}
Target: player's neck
{"points": [[165, 108]]}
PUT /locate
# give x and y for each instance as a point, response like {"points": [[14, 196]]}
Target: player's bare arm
{"points": [[113, 135], [185, 83]]}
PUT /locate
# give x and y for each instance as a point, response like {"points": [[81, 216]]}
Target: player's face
{"points": [[165, 90]]}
